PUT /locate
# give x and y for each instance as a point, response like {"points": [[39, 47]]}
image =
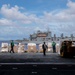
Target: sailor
{"points": [[44, 47], [54, 47], [12, 46]]}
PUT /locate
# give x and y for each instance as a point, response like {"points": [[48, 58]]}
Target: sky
{"points": [[20, 18]]}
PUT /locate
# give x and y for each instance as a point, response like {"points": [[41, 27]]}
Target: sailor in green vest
{"points": [[54, 47], [12, 47]]}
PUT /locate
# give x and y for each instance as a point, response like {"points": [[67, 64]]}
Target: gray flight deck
{"points": [[25, 58]]}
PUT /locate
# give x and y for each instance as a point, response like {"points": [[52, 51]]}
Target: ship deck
{"points": [[36, 64], [53, 58]]}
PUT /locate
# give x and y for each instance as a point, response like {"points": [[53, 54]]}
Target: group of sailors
{"points": [[44, 47]]}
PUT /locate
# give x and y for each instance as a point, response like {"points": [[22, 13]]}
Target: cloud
{"points": [[6, 22], [65, 15], [71, 4], [39, 28], [59, 20], [14, 13]]}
